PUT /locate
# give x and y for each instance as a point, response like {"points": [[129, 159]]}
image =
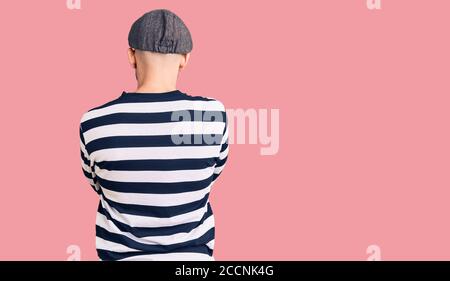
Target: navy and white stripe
{"points": [[154, 192]]}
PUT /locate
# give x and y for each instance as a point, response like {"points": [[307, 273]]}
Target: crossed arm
{"points": [[86, 163]]}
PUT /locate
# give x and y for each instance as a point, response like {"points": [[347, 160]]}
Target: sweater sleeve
{"points": [[223, 154], [86, 165]]}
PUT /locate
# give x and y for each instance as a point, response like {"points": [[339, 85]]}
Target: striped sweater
{"points": [[153, 158]]}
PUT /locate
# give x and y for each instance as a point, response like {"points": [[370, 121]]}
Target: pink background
{"points": [[364, 139]]}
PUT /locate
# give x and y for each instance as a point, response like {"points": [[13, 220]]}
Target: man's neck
{"points": [[155, 88]]}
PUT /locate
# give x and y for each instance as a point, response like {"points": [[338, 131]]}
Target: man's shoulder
{"points": [[213, 101], [91, 111], [205, 102], [104, 104]]}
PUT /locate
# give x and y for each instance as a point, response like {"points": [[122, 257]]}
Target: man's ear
{"points": [[132, 57], [185, 60]]}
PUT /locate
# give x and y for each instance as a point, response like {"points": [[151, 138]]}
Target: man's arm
{"points": [[86, 163], [223, 155]]}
